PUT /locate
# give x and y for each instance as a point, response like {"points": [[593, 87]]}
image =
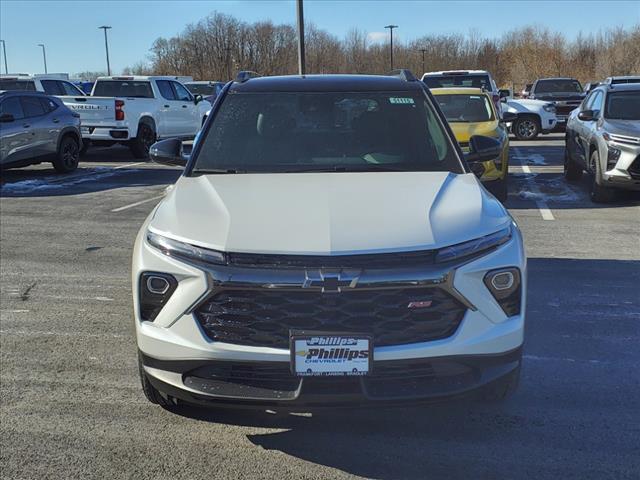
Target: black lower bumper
{"points": [[264, 385]]}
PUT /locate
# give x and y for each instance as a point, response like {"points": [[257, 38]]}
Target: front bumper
{"points": [[264, 385], [176, 337], [626, 172]]}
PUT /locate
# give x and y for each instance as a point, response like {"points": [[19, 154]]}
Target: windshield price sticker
{"points": [[331, 355], [401, 100]]}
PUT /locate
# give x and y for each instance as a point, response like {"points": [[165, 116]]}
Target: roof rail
{"points": [[245, 75], [404, 74]]}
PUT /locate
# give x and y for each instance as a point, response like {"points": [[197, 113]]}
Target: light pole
{"points": [[106, 47], [44, 56], [4, 52], [301, 60], [391, 27], [423, 50]]}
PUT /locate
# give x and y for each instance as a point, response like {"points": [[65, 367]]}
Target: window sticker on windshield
{"points": [[403, 100]]}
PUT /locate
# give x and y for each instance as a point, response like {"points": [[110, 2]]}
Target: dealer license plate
{"points": [[330, 355]]}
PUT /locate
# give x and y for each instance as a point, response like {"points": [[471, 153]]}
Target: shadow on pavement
{"points": [[578, 349]]}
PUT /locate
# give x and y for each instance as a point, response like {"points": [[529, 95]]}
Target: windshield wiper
{"points": [[218, 171]]}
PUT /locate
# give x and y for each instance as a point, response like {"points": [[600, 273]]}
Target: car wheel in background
{"points": [[526, 127], [501, 189], [68, 155], [140, 145], [599, 193], [572, 171]]}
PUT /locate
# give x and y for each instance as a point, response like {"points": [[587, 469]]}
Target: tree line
{"points": [[218, 46]]}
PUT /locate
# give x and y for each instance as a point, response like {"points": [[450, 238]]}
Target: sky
{"points": [[69, 29]]}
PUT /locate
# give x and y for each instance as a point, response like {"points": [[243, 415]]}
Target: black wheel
{"points": [[572, 171], [501, 190], [85, 147], [599, 193], [68, 155], [152, 394], [140, 145], [526, 128], [501, 389]]}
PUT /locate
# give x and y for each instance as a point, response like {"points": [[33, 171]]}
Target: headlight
{"points": [[473, 247], [174, 248], [549, 107]]}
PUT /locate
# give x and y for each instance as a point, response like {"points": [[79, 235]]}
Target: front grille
{"points": [[265, 317], [368, 261], [566, 109], [634, 168]]}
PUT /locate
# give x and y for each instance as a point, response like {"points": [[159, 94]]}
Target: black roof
{"points": [[326, 83], [558, 78]]}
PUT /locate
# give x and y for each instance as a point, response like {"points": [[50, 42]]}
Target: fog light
{"points": [[157, 285], [504, 285], [613, 154], [155, 291]]}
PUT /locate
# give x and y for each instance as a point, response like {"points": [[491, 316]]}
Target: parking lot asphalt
{"points": [[71, 405]]}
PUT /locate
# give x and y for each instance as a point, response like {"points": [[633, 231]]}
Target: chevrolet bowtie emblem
{"points": [[331, 281]]}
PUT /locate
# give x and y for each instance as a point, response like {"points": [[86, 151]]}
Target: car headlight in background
{"points": [[186, 251], [549, 107], [504, 285], [473, 247]]}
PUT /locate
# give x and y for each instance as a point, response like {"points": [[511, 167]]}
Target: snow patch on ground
{"points": [[57, 183]]}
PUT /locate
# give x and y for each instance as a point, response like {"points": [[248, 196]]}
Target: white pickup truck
{"points": [[533, 116], [137, 111]]}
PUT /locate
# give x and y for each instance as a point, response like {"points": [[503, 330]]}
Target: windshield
{"points": [[623, 105], [465, 108], [558, 86], [205, 90], [466, 80], [17, 85], [123, 88], [329, 131]]}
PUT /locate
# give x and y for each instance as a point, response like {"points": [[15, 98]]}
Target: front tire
{"points": [[68, 155], [140, 145], [501, 190], [572, 171], [526, 128], [150, 392], [599, 193], [501, 389]]}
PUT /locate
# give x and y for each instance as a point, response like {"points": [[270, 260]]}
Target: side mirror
{"points": [[7, 118], [504, 93], [168, 152], [509, 117], [483, 149], [197, 98], [587, 115]]}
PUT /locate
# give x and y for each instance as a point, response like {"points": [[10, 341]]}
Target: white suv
{"points": [[327, 244]]}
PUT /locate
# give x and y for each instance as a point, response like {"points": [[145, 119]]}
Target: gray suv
{"points": [[603, 139], [35, 128]]}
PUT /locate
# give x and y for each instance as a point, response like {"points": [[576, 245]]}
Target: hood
{"points": [[623, 127], [328, 213], [464, 131], [560, 97]]}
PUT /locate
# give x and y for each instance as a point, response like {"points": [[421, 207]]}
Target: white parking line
{"points": [[129, 165], [541, 204], [141, 202]]}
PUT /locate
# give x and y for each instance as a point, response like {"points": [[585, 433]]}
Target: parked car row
{"points": [[132, 110], [603, 139]]}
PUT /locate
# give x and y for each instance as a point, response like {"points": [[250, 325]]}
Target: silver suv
{"points": [[36, 128], [603, 139]]}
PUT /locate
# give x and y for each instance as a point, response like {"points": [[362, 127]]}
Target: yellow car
{"points": [[471, 111]]}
